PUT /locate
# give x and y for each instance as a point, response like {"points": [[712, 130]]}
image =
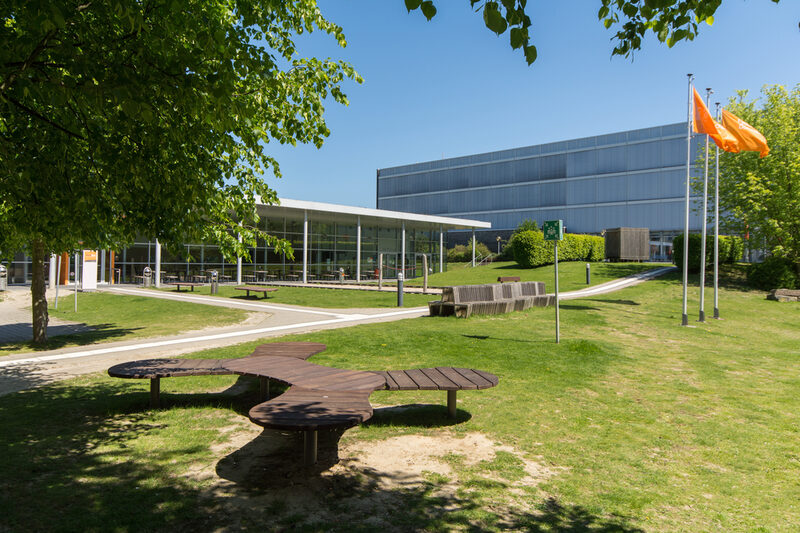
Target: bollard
{"points": [[588, 274], [214, 282], [147, 277], [399, 289], [341, 275]]}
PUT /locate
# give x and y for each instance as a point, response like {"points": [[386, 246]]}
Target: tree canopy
{"points": [[761, 197]]}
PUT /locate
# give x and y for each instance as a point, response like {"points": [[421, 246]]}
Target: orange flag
{"points": [[703, 123], [750, 139]]}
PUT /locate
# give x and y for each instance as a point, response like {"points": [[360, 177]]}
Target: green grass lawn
{"points": [[643, 425], [571, 275], [120, 317], [325, 298]]}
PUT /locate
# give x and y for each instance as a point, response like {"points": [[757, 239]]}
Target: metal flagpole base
{"points": [[685, 320], [716, 313], [702, 316]]}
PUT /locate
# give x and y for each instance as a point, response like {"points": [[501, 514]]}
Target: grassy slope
{"points": [[116, 317], [571, 275], [326, 298], [646, 424]]}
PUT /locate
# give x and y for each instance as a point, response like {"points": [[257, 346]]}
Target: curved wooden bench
{"points": [[319, 397]]}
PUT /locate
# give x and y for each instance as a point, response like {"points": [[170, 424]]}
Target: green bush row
{"points": [[462, 254], [531, 250], [731, 249]]}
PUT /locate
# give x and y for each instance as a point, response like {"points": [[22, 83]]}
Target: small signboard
{"points": [[89, 277], [553, 230]]}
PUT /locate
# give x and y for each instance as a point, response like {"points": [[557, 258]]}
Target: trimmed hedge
{"points": [[531, 250], [773, 273], [463, 254], [731, 249]]}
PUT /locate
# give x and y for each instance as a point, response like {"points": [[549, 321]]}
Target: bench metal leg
{"points": [[310, 447], [451, 403], [155, 389], [264, 388]]}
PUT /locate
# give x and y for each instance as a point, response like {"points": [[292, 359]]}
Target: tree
{"points": [[124, 118], [761, 197]]}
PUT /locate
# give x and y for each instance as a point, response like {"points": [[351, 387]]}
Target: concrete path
{"points": [[24, 371]]}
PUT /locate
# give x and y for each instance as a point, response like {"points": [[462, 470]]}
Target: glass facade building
{"points": [[328, 241], [626, 179]]}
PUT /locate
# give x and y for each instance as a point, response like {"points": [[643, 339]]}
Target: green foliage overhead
{"points": [[761, 197], [532, 250], [671, 21], [123, 117]]}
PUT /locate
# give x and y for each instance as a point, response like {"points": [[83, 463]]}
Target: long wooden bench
{"points": [[507, 279], [490, 299], [256, 288], [179, 284], [319, 397]]}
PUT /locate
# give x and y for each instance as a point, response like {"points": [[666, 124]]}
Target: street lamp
{"points": [[498, 244]]}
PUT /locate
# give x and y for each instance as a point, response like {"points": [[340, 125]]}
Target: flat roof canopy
{"points": [[296, 208]]}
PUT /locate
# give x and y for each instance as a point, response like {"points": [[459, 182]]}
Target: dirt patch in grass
{"points": [[356, 480]]}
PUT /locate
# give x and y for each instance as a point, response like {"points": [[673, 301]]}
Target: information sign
{"points": [[553, 230]]}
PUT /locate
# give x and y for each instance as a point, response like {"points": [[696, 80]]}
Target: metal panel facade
{"points": [[625, 179]]}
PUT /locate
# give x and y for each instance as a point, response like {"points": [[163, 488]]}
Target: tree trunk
{"points": [[39, 294]]}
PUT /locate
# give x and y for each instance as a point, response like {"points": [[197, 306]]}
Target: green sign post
{"points": [[554, 231]]}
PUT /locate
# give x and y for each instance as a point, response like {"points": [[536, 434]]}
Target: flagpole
{"points": [[704, 218], [716, 229], [685, 316]]}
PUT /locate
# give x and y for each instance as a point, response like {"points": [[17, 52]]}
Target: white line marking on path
{"points": [[192, 298], [228, 335]]}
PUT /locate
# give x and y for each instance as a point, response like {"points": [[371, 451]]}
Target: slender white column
{"points": [[102, 266], [158, 264], [403, 250], [305, 246], [239, 264], [51, 282], [441, 249], [473, 246], [358, 251]]}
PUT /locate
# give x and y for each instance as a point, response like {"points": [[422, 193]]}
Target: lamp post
{"points": [[498, 244]]}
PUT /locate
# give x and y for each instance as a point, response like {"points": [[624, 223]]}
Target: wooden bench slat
{"points": [[442, 382], [457, 378], [403, 381], [298, 350], [479, 381], [423, 382]]}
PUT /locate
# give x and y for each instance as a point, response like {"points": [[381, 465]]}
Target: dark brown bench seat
{"points": [[489, 299], [256, 288], [448, 379], [179, 284], [507, 279]]}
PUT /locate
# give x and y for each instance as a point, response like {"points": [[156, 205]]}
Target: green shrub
{"points": [[736, 250], [773, 273], [531, 250], [463, 254], [730, 250]]}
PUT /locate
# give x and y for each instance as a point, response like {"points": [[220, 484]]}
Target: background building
{"points": [[628, 179], [326, 239]]}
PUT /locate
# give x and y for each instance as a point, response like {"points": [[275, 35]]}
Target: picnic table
{"points": [[256, 288]]}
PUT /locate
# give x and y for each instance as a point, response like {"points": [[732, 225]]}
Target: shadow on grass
{"points": [[96, 333], [88, 457]]}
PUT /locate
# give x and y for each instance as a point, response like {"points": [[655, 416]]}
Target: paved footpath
{"points": [[24, 371]]}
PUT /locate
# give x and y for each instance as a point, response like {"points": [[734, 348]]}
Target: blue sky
{"points": [[450, 87]]}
